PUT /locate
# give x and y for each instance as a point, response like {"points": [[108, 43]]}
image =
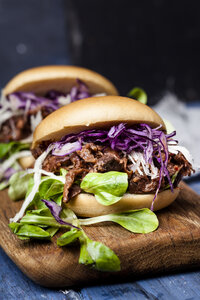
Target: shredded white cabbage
{"points": [[28, 105], [7, 114], [14, 102], [63, 100], [175, 149], [138, 160], [13, 128], [11, 160], [50, 174], [37, 180], [35, 120], [8, 110], [4, 102]]}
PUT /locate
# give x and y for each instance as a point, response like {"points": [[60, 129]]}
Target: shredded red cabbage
{"points": [[9, 172], [62, 150], [141, 137], [55, 210], [5, 175], [51, 99]]}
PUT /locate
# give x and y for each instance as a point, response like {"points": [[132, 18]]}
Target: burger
{"points": [[116, 154], [30, 97]]}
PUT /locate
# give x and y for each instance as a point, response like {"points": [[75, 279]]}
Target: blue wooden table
{"points": [[185, 286]]}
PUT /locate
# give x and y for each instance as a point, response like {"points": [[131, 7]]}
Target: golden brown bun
{"points": [[94, 112], [27, 161], [42, 79], [85, 205]]}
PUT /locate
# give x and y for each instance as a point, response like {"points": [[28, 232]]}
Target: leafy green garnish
{"points": [[63, 172], [99, 256], [4, 184], [8, 149], [18, 185], [52, 230], [168, 126], [43, 217], [69, 237], [108, 187], [92, 253], [51, 189], [173, 178], [137, 221], [138, 94], [29, 231], [40, 220]]}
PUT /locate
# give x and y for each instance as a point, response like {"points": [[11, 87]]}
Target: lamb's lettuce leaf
{"points": [[4, 184], [39, 223], [8, 149], [138, 94], [52, 230], [173, 178], [108, 187], [69, 237], [51, 189], [18, 185], [29, 231], [137, 221], [92, 253], [98, 256]]}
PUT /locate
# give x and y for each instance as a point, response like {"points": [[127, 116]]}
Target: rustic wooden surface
{"points": [[174, 246]]}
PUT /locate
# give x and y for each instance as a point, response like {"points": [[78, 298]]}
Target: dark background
{"points": [[153, 44]]}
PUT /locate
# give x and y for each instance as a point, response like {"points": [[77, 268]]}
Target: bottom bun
{"points": [[27, 161], [85, 205]]}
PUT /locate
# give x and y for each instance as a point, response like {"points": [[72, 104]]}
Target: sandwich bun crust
{"points": [[27, 162], [94, 113], [62, 78], [85, 205]]}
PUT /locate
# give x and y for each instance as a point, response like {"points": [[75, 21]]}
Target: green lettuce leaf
{"points": [[52, 230], [98, 256], [4, 184], [29, 231], [51, 189], [137, 221], [85, 258], [173, 178], [34, 219], [138, 94], [18, 185], [69, 237], [7, 149], [108, 187], [43, 217], [94, 254], [169, 126]]}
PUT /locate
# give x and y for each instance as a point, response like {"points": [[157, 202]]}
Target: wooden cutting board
{"points": [[175, 245]]}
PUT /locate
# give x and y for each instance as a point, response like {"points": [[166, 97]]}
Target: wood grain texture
{"points": [[174, 246]]}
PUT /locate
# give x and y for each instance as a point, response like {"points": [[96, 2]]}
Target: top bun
{"points": [[92, 113], [62, 78]]}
